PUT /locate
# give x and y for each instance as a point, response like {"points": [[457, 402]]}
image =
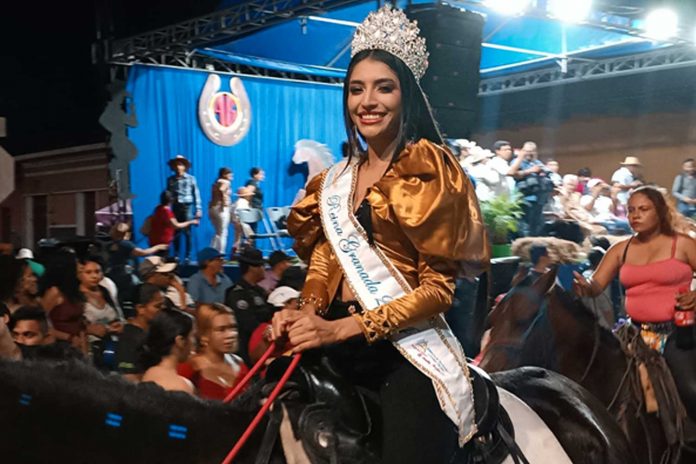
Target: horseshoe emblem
{"points": [[225, 117]]}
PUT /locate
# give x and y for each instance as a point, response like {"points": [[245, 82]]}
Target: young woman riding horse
{"points": [[655, 266], [385, 234]]}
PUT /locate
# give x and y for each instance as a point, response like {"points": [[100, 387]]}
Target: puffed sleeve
{"points": [[304, 222], [435, 206]]}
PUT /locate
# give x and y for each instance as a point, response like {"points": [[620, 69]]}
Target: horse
{"points": [[317, 156], [67, 411], [540, 324]]}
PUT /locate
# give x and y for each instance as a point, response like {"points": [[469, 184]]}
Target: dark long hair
{"points": [[416, 121], [164, 329], [61, 272], [665, 212]]}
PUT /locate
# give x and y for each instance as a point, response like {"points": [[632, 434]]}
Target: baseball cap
{"points": [[208, 253], [25, 253], [153, 264], [278, 257], [281, 295]]}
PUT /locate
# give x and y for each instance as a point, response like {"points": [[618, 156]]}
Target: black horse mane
{"points": [[85, 416]]}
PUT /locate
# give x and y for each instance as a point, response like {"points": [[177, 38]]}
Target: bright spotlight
{"points": [[510, 7], [661, 24], [574, 11]]}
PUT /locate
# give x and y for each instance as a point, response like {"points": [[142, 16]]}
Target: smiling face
{"points": [[374, 101]]}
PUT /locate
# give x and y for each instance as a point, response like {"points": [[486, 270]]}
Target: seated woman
{"points": [[215, 369], [168, 343], [655, 266]]}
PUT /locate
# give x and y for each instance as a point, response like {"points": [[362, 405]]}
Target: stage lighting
{"points": [[510, 7], [661, 24], [574, 11]]}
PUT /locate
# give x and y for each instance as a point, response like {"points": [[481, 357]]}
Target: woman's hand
{"points": [[581, 286], [98, 330], [687, 300], [115, 327], [305, 330]]}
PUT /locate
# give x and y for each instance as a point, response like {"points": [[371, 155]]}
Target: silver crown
{"points": [[390, 30]]}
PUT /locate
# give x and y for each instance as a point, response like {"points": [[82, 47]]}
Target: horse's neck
{"points": [[575, 338]]}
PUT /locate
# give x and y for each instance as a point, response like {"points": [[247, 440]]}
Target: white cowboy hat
{"points": [[631, 161]]}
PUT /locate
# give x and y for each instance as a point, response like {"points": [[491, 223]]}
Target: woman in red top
{"points": [[215, 370], [655, 266], [163, 224]]}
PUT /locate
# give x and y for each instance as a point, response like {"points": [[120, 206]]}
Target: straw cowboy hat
{"points": [[179, 159], [631, 161]]}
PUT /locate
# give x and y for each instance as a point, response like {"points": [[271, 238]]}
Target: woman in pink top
{"points": [[655, 267]]}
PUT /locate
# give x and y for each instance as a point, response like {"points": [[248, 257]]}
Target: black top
{"points": [[251, 309], [120, 253], [129, 343], [257, 199]]}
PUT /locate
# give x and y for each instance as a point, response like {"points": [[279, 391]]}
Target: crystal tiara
{"points": [[390, 30]]}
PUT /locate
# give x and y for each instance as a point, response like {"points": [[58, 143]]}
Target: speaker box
{"points": [[453, 38]]}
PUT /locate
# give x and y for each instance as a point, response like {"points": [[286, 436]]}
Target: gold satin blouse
{"points": [[426, 220]]}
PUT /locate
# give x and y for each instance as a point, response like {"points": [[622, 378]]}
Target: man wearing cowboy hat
{"points": [[247, 299], [626, 178], [187, 200]]}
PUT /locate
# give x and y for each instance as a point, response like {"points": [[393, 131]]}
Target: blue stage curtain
{"points": [[166, 108]]}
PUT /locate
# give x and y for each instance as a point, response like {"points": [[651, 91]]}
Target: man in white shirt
{"points": [[486, 178], [600, 204], [626, 178], [500, 164]]}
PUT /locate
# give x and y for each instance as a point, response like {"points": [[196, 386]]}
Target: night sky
{"points": [[50, 92]]}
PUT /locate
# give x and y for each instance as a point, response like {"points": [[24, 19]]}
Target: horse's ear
{"points": [[546, 281]]}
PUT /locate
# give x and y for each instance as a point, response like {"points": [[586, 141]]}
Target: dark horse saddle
{"points": [[334, 420]]}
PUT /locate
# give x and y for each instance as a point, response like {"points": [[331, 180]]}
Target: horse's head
{"points": [[313, 153], [512, 319]]}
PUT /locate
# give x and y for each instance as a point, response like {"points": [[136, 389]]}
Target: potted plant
{"points": [[502, 215]]}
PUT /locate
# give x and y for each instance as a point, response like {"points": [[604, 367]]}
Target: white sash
{"points": [[430, 345]]}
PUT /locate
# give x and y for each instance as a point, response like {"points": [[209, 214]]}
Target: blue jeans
{"points": [[183, 212]]}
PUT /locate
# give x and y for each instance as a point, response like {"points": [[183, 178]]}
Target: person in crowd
{"points": [[169, 342], [155, 270], [61, 298], [655, 267], [684, 188], [486, 178], [164, 222], [282, 298], [219, 208], [626, 178], [293, 277], [100, 311], [422, 214], [186, 202], [30, 332], [601, 204], [215, 369], [553, 169], [500, 163], [241, 230], [278, 263], [247, 299], [149, 302], [25, 254], [29, 326], [244, 196], [103, 318], [534, 184], [18, 283], [209, 284], [122, 252], [539, 259], [584, 175], [257, 176]]}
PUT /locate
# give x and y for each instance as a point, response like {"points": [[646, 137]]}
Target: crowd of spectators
{"points": [[128, 312]]}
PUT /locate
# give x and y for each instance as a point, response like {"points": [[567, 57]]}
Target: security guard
{"points": [[247, 299]]}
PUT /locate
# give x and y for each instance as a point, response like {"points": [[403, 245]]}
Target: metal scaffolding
{"points": [[668, 58], [223, 25]]}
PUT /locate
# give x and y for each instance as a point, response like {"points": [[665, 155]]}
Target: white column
{"points": [[28, 237], [80, 213]]}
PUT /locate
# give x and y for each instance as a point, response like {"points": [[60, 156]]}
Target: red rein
{"points": [[266, 406]]}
